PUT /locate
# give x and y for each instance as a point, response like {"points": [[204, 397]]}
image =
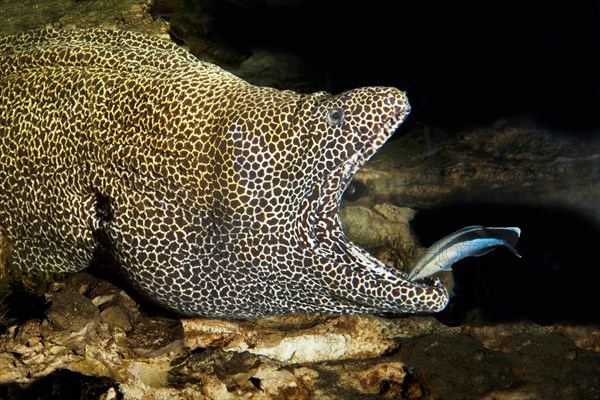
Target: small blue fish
{"points": [[470, 241]]}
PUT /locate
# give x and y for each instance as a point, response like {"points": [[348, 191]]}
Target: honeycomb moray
{"points": [[214, 197]]}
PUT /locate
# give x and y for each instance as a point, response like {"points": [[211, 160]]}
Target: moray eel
{"points": [[212, 196]]}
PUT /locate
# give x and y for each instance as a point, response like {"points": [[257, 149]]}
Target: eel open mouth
{"points": [[374, 284], [348, 169]]}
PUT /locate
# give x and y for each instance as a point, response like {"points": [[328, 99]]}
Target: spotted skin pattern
{"points": [[213, 197]]}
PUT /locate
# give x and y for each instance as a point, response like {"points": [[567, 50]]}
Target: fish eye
{"points": [[335, 116]]}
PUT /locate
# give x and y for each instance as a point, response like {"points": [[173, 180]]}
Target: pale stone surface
{"points": [[391, 222], [341, 338]]}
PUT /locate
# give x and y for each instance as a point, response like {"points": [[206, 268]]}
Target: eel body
{"points": [[214, 197]]}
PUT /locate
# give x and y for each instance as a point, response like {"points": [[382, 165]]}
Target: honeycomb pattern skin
{"points": [[213, 197]]}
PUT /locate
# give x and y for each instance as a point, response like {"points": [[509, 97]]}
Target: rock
{"points": [[300, 357], [152, 337], [77, 334], [278, 70], [391, 221], [124, 14], [512, 161], [371, 380], [500, 337], [70, 311], [339, 338], [585, 336]]}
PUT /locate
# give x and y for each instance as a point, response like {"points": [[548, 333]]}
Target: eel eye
{"points": [[335, 116]]}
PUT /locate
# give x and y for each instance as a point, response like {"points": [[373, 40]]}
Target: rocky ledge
{"points": [[93, 328]]}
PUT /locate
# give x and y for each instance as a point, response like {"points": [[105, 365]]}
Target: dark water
{"points": [[556, 280], [462, 63]]}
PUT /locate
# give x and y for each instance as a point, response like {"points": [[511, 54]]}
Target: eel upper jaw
{"points": [[336, 182], [330, 188], [348, 168]]}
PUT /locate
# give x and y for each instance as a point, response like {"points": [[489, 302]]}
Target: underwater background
{"points": [[504, 131]]}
